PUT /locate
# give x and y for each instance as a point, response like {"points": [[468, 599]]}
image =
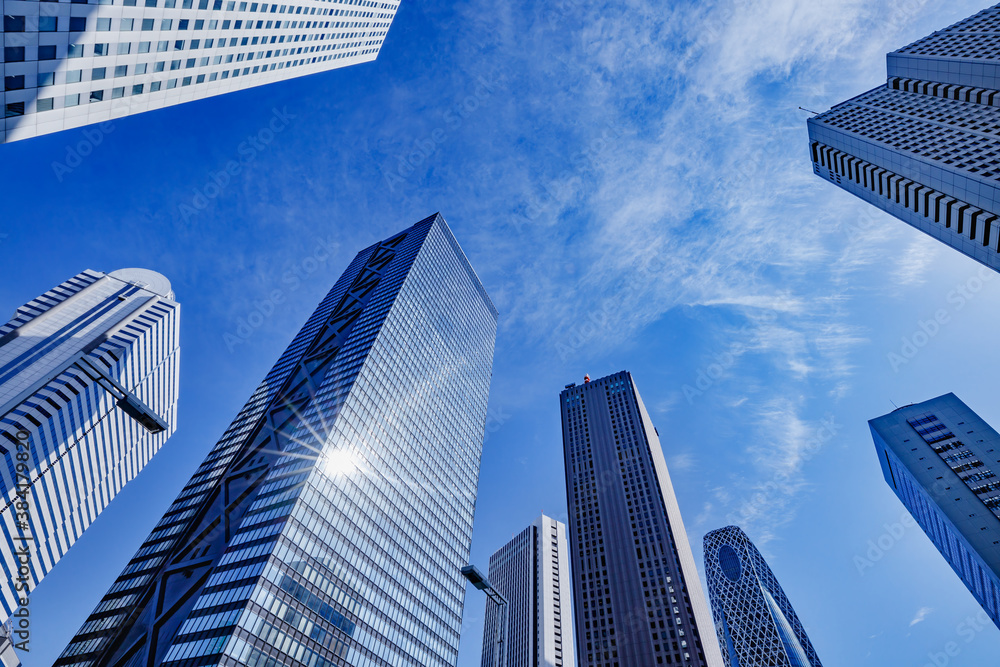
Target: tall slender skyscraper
{"points": [[532, 573], [636, 590], [68, 64], [941, 459], [330, 523], [88, 394], [924, 147], [753, 618]]}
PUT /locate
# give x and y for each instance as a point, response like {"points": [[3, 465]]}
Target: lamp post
{"points": [[479, 580]]}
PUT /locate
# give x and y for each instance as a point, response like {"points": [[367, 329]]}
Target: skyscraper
{"points": [[940, 458], [330, 523], [68, 64], [636, 591], [88, 394], [532, 573], [753, 618], [925, 146]]}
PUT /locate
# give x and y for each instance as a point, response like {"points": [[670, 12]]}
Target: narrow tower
{"points": [[330, 523], [636, 590], [941, 459], [532, 573], [753, 618]]}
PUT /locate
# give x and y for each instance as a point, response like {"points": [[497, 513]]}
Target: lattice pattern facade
{"points": [[73, 63], [330, 523], [754, 620], [934, 126], [636, 589], [939, 458]]}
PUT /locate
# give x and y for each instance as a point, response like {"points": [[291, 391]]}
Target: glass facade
{"points": [[753, 617], [939, 458], [924, 147], [330, 524], [636, 590]]}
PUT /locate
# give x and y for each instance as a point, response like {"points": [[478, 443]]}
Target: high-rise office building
{"points": [[88, 394], [330, 523], [74, 63], [754, 620], [925, 146], [636, 591], [532, 573], [940, 458]]}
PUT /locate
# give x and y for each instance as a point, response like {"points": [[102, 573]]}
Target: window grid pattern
{"points": [[613, 488], [73, 63]]}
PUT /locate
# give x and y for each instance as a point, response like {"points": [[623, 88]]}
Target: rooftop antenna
{"points": [[894, 404], [815, 113]]}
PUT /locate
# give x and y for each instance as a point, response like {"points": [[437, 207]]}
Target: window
{"points": [[189, 64], [117, 92], [13, 54], [13, 23], [128, 24], [124, 48], [150, 3], [199, 24], [74, 76], [166, 24], [97, 96], [98, 73], [14, 109], [101, 49], [103, 25], [179, 45], [158, 67], [155, 86], [182, 24], [74, 51], [72, 100], [44, 104], [175, 64], [47, 52], [121, 70], [46, 79], [47, 23], [137, 89], [143, 47], [187, 81], [162, 46], [13, 82], [140, 68]]}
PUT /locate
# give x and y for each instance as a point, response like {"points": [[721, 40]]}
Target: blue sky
{"points": [[632, 183]]}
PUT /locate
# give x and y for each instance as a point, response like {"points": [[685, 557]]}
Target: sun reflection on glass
{"points": [[339, 462]]}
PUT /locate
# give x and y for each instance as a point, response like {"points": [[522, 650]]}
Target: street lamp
{"points": [[479, 580]]}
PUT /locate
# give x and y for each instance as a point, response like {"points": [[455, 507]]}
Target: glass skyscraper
{"points": [[636, 590], [925, 147], [532, 573], [753, 618], [74, 63], [330, 523], [940, 458], [88, 394]]}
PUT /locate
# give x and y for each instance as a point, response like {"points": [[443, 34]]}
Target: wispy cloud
{"points": [[921, 615]]}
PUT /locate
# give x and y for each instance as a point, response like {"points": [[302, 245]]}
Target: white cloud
{"points": [[921, 615]]}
